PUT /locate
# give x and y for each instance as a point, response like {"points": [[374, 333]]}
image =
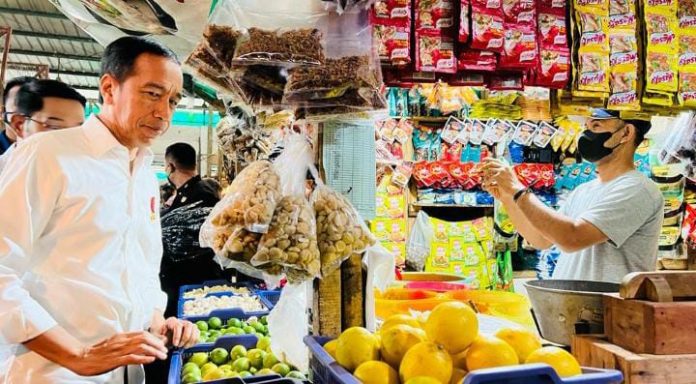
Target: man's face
{"points": [[57, 113], [144, 103], [613, 126]]}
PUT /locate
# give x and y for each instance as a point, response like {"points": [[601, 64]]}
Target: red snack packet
{"points": [[520, 48], [439, 171], [460, 173], [553, 70], [547, 177], [451, 152], [393, 42], [470, 60], [392, 9], [510, 81], [422, 175], [434, 14], [552, 30], [464, 23], [434, 52], [473, 175], [486, 29], [521, 12], [552, 6]]}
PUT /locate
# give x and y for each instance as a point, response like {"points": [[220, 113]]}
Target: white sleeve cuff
{"points": [[24, 323]]}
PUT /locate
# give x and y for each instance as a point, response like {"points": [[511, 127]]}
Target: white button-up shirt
{"points": [[5, 157], [80, 247]]}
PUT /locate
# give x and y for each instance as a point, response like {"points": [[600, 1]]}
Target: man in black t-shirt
{"points": [[184, 261]]}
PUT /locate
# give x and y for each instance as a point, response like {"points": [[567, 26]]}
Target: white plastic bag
{"points": [[380, 264], [418, 246], [288, 323], [680, 145]]}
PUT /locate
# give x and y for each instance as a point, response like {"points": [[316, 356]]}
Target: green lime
{"points": [[189, 368], [193, 377], [244, 374], [219, 356], [296, 375], [253, 370], [265, 372], [236, 323], [199, 358], [259, 327], [256, 357], [214, 323], [270, 360], [264, 320], [214, 374], [230, 374], [202, 325], [207, 367], [241, 364], [237, 352], [281, 369], [263, 343], [237, 331], [249, 330]]}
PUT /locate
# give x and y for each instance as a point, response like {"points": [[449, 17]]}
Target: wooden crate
{"points": [[597, 352], [645, 317]]}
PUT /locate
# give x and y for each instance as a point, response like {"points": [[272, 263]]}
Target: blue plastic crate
{"points": [[269, 298], [223, 312], [210, 283], [540, 374], [224, 315], [325, 370], [180, 356]]}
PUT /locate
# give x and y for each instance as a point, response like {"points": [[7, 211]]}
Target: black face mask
{"points": [[591, 145]]}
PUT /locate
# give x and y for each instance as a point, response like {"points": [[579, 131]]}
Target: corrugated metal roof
{"points": [[43, 35]]}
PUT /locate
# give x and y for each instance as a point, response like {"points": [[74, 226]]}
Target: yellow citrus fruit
{"points": [[490, 352], [458, 376], [355, 346], [459, 360], [453, 325], [559, 359], [397, 340], [426, 359], [376, 372], [330, 348], [399, 320], [423, 380], [523, 341]]}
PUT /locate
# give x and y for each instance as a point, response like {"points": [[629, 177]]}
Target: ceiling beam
{"points": [[19, 66], [79, 39], [29, 12], [56, 55]]}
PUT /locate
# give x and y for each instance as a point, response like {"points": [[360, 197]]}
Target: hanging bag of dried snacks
{"points": [[341, 232], [291, 241], [349, 79]]}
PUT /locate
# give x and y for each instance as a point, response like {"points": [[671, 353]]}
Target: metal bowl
{"points": [[563, 308]]}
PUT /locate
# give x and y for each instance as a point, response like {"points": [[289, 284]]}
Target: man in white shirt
{"points": [[80, 238], [608, 227], [41, 106]]}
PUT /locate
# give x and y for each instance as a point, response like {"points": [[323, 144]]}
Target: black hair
{"points": [[14, 82], [119, 57], [31, 95], [182, 155]]}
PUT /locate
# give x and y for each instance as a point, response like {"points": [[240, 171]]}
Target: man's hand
{"points": [[500, 180], [119, 350], [180, 333]]}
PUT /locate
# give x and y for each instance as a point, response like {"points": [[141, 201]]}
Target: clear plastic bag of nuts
{"points": [[291, 241], [340, 230]]}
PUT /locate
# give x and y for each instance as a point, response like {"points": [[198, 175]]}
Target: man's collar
{"points": [[102, 140], [190, 181]]}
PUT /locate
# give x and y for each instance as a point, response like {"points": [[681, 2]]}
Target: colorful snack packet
{"points": [[402, 174], [391, 9], [403, 131], [661, 71], [520, 12], [552, 29], [464, 24], [519, 48], [661, 27], [553, 70], [496, 131], [544, 134], [470, 60], [434, 14], [451, 152], [452, 129], [393, 43], [623, 21], [463, 136], [486, 29], [622, 7], [593, 70], [422, 175], [524, 133], [434, 52], [478, 127]]}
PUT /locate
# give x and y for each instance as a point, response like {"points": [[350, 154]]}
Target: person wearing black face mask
{"points": [[608, 227]]}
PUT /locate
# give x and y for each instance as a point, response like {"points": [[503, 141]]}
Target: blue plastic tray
{"points": [[178, 357], [224, 315], [210, 283], [269, 298], [325, 370], [236, 312]]}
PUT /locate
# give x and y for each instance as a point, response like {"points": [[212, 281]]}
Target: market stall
{"points": [[351, 148]]}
